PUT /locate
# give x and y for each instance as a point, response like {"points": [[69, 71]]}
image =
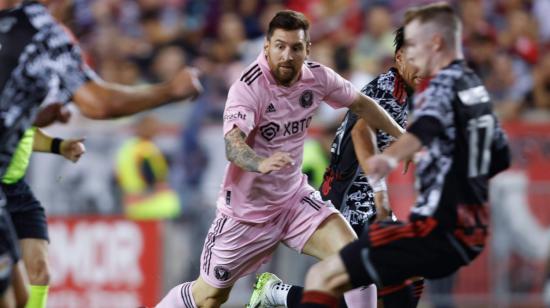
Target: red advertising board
{"points": [[104, 262]]}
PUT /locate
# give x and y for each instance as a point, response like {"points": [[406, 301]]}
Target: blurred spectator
{"points": [[167, 61], [375, 45], [256, 45], [480, 52], [142, 174], [539, 98], [508, 85], [540, 12], [475, 23], [317, 155], [520, 36]]}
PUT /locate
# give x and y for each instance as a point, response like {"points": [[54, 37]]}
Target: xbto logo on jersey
{"points": [[306, 100], [270, 130], [295, 127]]}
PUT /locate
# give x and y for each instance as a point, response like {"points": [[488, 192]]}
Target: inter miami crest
{"points": [[306, 100], [221, 273], [270, 130]]}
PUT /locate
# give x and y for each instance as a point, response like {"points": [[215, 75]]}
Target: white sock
{"points": [[276, 295], [362, 297]]}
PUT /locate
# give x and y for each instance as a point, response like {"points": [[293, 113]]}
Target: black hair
{"points": [[399, 38]]}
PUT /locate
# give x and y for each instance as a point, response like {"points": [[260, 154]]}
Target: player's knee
{"points": [[39, 272], [207, 296], [317, 278], [213, 302]]}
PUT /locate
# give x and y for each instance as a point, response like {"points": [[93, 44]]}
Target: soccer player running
{"points": [[464, 146], [359, 198], [25, 211], [265, 199], [42, 64]]}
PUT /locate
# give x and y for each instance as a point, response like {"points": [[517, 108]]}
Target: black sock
{"points": [[294, 297], [417, 289], [398, 297], [343, 303]]}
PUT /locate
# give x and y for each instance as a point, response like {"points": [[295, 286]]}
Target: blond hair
{"points": [[442, 15]]}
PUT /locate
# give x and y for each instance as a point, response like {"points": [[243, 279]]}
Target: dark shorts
{"points": [[9, 251], [358, 206], [27, 214], [388, 253]]}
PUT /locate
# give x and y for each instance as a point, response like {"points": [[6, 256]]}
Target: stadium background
{"points": [[99, 259]]}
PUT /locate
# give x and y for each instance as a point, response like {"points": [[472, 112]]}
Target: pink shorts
{"points": [[234, 249]]}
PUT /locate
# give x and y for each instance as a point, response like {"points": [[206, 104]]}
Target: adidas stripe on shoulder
{"points": [[312, 64], [251, 74]]}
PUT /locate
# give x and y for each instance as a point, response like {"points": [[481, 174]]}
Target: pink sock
{"points": [[179, 297], [362, 297]]}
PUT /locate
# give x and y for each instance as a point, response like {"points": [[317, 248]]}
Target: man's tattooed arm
{"points": [[240, 153]]}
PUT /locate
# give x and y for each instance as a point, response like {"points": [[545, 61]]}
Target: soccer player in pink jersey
{"points": [[265, 199]]}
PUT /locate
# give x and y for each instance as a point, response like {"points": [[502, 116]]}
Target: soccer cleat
{"points": [[262, 287]]}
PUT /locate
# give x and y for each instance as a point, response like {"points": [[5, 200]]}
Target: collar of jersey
{"points": [[307, 75]]}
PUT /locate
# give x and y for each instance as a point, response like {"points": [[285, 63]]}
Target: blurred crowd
{"points": [[134, 41]]}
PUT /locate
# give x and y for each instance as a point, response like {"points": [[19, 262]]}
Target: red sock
{"points": [[317, 299]]}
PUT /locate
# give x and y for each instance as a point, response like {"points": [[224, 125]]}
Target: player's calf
{"points": [[328, 276]]}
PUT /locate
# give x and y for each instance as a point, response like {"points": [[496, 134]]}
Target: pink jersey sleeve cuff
{"points": [[238, 117]]}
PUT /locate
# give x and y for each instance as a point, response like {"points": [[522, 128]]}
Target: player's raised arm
{"points": [[376, 116], [101, 100], [242, 155]]}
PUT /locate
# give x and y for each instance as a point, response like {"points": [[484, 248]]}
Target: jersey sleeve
{"points": [[68, 70], [240, 109], [434, 113], [339, 91], [501, 156]]}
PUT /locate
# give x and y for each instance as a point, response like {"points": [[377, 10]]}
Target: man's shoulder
{"points": [[381, 87], [449, 75], [313, 65], [250, 76], [249, 87]]}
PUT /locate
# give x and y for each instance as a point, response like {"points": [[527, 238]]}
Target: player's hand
{"points": [[275, 162], [380, 165], [186, 84], [55, 112], [72, 149]]}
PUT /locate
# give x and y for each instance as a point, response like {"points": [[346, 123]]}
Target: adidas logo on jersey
{"points": [[270, 108]]}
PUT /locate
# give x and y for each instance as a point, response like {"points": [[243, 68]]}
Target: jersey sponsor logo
{"points": [[473, 96], [234, 116], [270, 108], [270, 130], [295, 127], [306, 100], [221, 273]]}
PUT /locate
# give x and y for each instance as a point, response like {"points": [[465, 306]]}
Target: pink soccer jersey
{"points": [[275, 119]]}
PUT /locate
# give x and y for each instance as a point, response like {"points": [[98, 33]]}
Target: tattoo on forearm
{"points": [[239, 153]]}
